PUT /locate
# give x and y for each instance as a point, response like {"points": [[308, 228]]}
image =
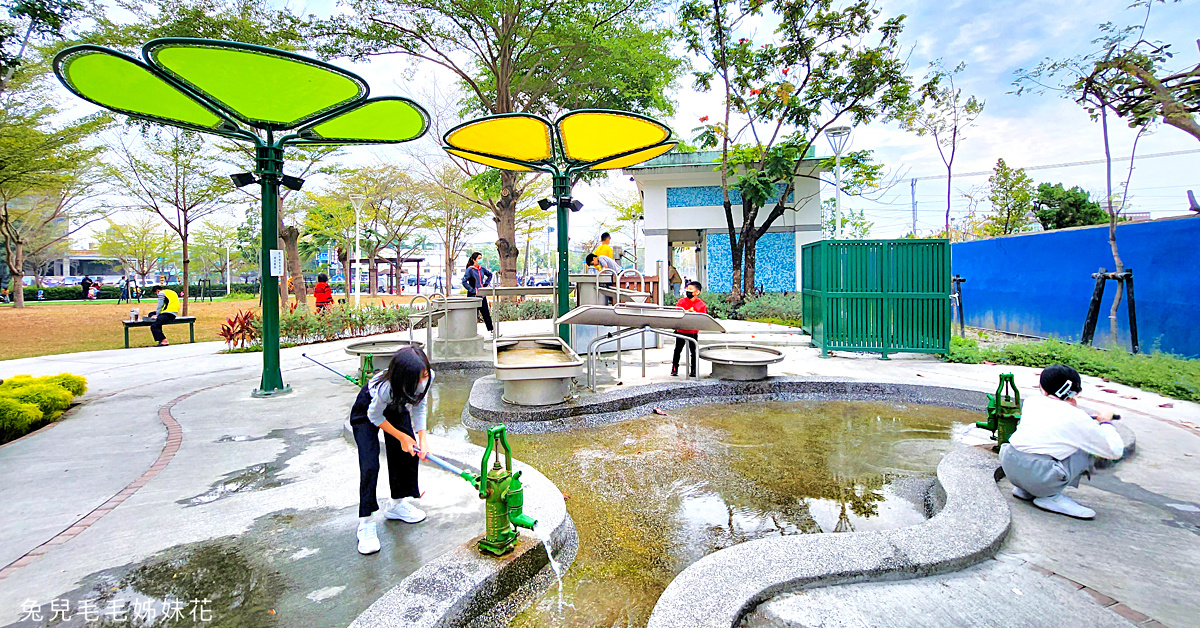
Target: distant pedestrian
{"points": [[691, 302], [322, 292], [673, 279], [475, 279], [85, 286], [167, 311]]}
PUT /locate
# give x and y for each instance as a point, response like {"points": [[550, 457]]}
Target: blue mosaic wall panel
{"points": [[774, 270], [710, 195]]}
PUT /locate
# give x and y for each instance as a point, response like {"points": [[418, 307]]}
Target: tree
{"points": [[175, 176], [855, 224], [215, 248], [531, 220], [452, 218], [141, 244], [1011, 193], [390, 211], [821, 69], [942, 113], [520, 56], [1060, 208], [248, 21], [46, 174], [30, 21]]}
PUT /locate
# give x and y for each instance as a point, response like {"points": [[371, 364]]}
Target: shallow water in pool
{"points": [[652, 495]]}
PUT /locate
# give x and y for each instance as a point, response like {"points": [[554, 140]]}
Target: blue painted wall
{"points": [[774, 270], [1040, 284], [711, 196]]}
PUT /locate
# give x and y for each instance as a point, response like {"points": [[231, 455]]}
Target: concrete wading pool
{"points": [[652, 495]]}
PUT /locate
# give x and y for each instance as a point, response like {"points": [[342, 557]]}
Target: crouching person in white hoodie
{"points": [[1056, 443]]}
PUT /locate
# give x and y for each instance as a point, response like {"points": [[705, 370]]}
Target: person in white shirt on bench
{"points": [[1055, 443]]}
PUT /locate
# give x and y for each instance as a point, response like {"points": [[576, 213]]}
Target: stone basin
{"points": [[740, 362], [376, 355], [535, 371]]}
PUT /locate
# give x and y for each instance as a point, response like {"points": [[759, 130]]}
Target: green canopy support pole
{"points": [[269, 158], [562, 192]]}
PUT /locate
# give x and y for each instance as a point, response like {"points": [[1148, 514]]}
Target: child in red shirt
{"points": [[690, 302], [322, 292]]}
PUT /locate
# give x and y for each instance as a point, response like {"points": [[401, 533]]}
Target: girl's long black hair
{"points": [[404, 375]]}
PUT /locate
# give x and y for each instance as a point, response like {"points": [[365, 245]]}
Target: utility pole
{"points": [[914, 206]]}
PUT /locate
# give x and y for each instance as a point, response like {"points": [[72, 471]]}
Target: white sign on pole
{"points": [[276, 263]]}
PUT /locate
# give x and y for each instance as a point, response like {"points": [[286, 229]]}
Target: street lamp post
{"points": [[357, 201], [228, 270], [837, 136]]}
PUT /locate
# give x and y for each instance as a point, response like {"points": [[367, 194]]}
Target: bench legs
{"points": [[126, 337], [192, 332]]}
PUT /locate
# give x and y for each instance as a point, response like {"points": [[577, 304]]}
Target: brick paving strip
{"points": [[1120, 608], [174, 440]]}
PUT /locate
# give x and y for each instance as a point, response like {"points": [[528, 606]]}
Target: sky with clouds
{"points": [[994, 39]]}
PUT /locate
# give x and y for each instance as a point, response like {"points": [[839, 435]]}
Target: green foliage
{"points": [[1011, 193], [300, 327], [1059, 208], [526, 310], [825, 64], [1163, 373], [772, 305], [75, 293], [249, 21], [27, 403]]}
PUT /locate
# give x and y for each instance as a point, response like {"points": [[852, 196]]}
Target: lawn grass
{"points": [[1170, 375], [54, 327]]}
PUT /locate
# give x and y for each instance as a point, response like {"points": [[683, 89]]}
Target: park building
{"points": [[685, 222]]}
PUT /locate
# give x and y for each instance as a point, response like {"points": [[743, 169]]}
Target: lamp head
{"points": [[291, 183], [837, 136], [242, 179], [545, 204]]}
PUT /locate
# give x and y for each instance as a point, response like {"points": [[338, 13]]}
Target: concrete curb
{"points": [[465, 588], [719, 589]]}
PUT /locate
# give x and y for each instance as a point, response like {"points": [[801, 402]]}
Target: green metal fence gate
{"points": [[882, 296]]}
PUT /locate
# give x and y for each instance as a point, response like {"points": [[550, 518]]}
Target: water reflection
{"points": [[653, 495]]}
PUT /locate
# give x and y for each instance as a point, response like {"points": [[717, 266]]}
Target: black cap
{"points": [[1060, 380]]}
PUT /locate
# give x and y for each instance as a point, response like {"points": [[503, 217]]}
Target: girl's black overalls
{"points": [[402, 467]]}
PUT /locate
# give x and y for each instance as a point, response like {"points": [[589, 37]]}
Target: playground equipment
{"points": [[740, 362], [457, 321], [501, 490], [536, 371], [1003, 411], [635, 319]]}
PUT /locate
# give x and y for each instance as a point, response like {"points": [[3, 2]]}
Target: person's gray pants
{"points": [[1042, 475]]}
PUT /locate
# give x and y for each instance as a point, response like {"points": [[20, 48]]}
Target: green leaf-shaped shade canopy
{"points": [[123, 84], [263, 87], [375, 121]]}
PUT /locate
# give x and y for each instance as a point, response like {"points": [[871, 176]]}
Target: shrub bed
{"points": [[1170, 375], [27, 403], [782, 308], [243, 331]]}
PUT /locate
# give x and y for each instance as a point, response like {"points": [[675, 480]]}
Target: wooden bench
{"points": [[190, 321]]}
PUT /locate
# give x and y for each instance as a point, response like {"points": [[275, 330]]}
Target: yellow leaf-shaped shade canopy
{"points": [[633, 158], [518, 137], [375, 121], [502, 164], [263, 87], [589, 136], [125, 85]]}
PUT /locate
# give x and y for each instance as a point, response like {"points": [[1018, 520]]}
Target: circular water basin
{"points": [[740, 362]]}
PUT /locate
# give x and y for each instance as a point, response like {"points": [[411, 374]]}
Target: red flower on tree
{"points": [[704, 119]]}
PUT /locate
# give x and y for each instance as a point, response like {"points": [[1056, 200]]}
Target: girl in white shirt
{"points": [[1055, 443], [392, 401]]}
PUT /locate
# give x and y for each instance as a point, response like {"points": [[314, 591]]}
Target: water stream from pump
{"points": [[544, 535]]}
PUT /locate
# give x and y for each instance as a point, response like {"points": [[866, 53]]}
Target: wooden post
{"points": [[1133, 335], [1089, 324]]}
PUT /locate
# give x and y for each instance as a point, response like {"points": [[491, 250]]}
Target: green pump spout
{"points": [[1003, 411], [503, 495]]}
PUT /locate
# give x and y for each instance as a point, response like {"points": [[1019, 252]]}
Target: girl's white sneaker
{"points": [[368, 538], [404, 511]]}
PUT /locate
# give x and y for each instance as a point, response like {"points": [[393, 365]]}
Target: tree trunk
{"points": [[291, 241], [16, 279], [749, 257], [947, 203], [1112, 226], [449, 250], [505, 216], [186, 263], [344, 259], [373, 275]]}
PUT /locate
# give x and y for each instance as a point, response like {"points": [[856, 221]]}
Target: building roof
{"points": [[702, 158]]}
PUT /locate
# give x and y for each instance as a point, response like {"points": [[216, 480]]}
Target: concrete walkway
{"points": [[262, 486], [273, 480]]}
